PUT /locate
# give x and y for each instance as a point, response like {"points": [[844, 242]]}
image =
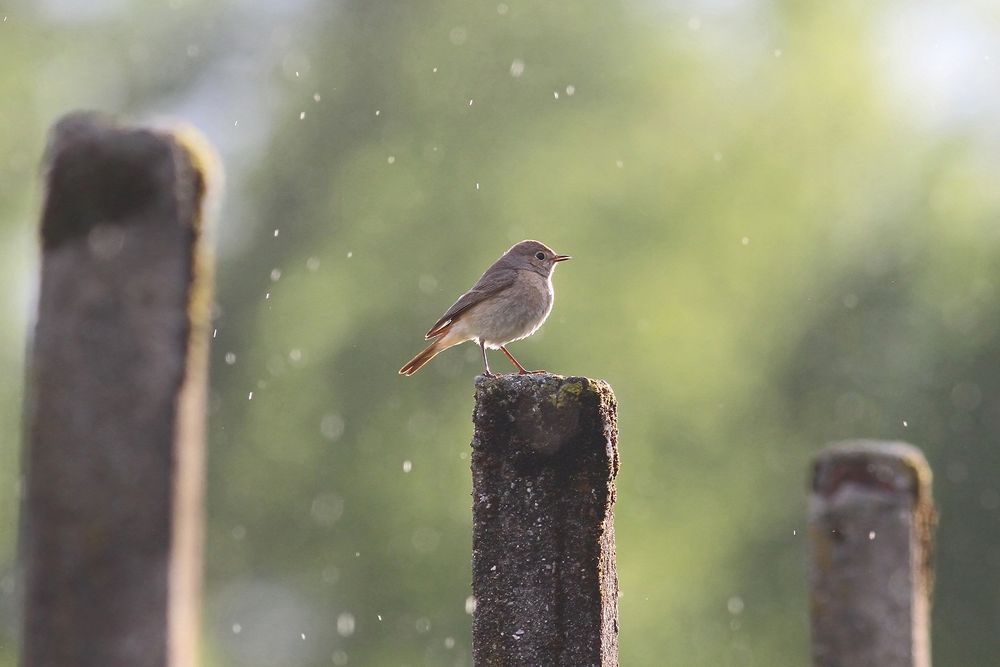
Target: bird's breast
{"points": [[514, 313]]}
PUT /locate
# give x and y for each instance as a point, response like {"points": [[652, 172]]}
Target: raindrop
{"points": [[237, 628], [230, 358], [571, 90], [316, 97], [745, 240], [327, 508], [407, 466], [350, 253], [275, 275], [332, 426], [312, 263], [302, 115], [449, 642], [345, 624], [555, 94], [391, 159], [427, 284], [470, 605], [517, 68], [871, 535], [735, 605], [502, 9], [250, 396], [276, 231], [458, 35]]}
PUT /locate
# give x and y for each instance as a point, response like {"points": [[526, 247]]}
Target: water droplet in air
{"points": [[407, 466], [345, 624]]}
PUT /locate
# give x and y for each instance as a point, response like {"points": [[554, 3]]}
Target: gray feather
{"points": [[497, 278]]}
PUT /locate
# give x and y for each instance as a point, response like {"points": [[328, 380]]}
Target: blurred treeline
{"points": [[777, 245]]}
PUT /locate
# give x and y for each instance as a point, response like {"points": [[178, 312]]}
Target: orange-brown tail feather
{"points": [[428, 353]]}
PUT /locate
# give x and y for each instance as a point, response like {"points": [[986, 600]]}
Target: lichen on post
{"points": [[544, 461], [871, 523]]}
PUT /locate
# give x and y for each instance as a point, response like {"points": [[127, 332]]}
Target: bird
{"points": [[509, 302]]}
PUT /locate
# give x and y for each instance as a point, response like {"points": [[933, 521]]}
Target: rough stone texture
{"points": [[112, 518], [871, 522], [544, 461]]}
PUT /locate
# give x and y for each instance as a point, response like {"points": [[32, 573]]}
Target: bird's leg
{"points": [[486, 362], [514, 361]]}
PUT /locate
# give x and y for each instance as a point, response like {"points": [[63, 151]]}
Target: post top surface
{"points": [[891, 466]]}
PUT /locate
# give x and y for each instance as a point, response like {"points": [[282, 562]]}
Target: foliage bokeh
{"points": [[785, 224]]}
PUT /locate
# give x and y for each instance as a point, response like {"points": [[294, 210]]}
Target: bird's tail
{"points": [[428, 353]]}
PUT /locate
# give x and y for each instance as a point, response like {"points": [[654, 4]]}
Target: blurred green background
{"points": [[786, 223]]}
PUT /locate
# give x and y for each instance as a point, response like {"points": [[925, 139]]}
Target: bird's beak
{"points": [[561, 258]]}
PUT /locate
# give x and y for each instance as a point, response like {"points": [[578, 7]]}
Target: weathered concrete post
{"points": [[544, 461], [112, 515], [871, 523]]}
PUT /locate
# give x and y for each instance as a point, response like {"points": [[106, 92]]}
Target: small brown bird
{"points": [[510, 302]]}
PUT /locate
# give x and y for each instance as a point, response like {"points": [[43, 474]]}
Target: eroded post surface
{"points": [[871, 523], [112, 516], [544, 461]]}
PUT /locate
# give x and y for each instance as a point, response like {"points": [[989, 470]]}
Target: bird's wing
{"points": [[492, 282]]}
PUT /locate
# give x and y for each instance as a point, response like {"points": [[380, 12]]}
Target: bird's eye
{"points": [[540, 255]]}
